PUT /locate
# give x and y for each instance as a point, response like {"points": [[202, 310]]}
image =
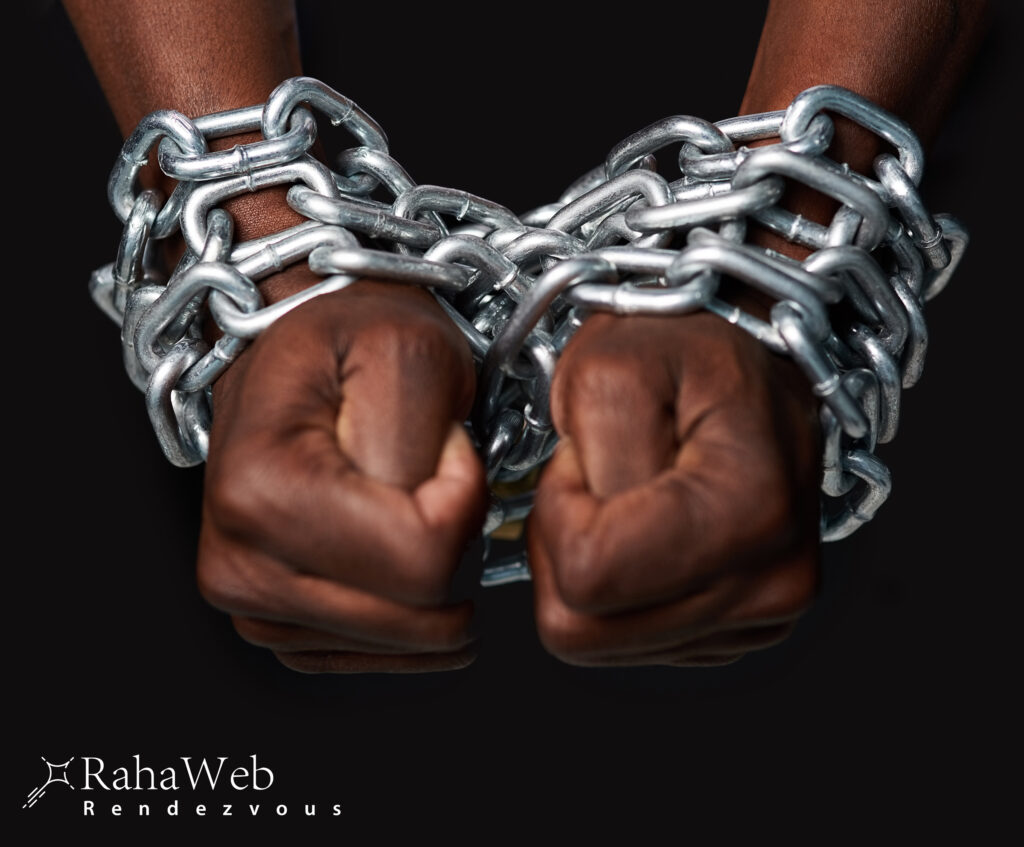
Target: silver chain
{"points": [[621, 239]]}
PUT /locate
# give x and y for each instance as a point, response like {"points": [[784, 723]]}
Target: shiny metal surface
{"points": [[620, 238]]}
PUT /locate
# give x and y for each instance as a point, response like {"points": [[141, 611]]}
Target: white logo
{"points": [[54, 773]]}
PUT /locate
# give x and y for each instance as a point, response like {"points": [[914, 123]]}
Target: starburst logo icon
{"points": [[54, 773]]}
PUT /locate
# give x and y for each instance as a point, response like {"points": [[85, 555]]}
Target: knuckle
{"points": [[602, 379], [410, 340], [417, 346], [726, 364]]}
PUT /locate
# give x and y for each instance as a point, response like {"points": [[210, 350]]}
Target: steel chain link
{"points": [[621, 239]]}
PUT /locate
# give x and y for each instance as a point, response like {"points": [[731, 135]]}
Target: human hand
{"points": [[677, 522], [341, 487]]}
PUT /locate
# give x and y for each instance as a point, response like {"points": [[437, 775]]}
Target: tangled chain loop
{"points": [[621, 239]]}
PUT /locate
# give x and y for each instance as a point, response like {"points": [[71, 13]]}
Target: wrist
{"points": [[853, 146], [254, 215]]}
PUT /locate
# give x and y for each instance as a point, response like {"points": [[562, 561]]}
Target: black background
{"points": [[890, 703]]}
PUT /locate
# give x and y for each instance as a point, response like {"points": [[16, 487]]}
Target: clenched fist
{"points": [[677, 522], [341, 487]]}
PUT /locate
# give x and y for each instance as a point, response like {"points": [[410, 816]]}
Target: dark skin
{"points": [[677, 521], [678, 524]]}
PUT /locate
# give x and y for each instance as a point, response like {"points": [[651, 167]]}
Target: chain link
{"points": [[620, 239]]}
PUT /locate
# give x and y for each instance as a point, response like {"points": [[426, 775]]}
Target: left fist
{"points": [[678, 521]]}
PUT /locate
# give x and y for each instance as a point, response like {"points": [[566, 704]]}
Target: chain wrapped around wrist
{"points": [[621, 238]]}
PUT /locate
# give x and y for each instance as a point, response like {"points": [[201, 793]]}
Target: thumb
{"points": [[405, 379]]}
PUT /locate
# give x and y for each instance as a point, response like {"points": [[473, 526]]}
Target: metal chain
{"points": [[621, 239]]}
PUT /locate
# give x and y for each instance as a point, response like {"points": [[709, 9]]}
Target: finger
{"points": [[733, 603], [303, 504], [454, 499], [278, 480], [647, 545], [250, 584], [719, 648], [405, 378], [334, 662], [723, 512], [374, 367], [614, 395], [733, 496], [284, 637], [573, 635]]}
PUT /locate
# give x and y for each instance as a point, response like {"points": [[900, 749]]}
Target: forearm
{"points": [[907, 56], [196, 57]]}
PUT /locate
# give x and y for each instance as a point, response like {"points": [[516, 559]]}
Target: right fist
{"points": [[341, 487]]}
